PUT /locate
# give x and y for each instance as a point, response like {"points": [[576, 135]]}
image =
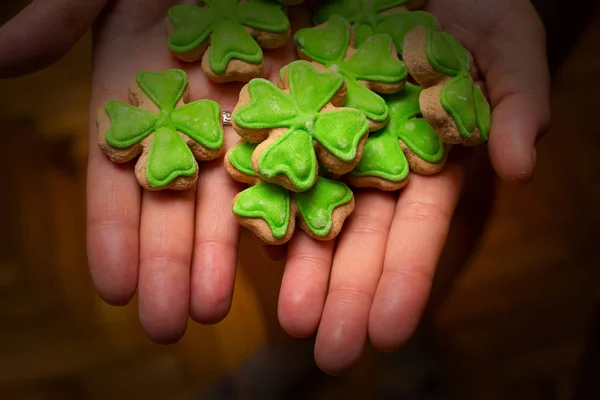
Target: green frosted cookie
{"points": [[407, 143], [270, 211], [452, 103], [300, 125], [372, 17], [167, 134], [372, 67], [227, 35]]}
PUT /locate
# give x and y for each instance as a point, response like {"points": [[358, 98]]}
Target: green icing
{"points": [[293, 153], [269, 107], [445, 53], [225, 20], [483, 112], [164, 88], [272, 204], [460, 97], [408, 126], [463, 100], [340, 132], [268, 202], [240, 157], [421, 139], [355, 11], [383, 156], [397, 25], [317, 205], [201, 121], [169, 156], [231, 41], [366, 101], [264, 15], [300, 166], [129, 124], [371, 17], [372, 61]]}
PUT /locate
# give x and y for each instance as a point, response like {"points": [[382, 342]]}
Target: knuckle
{"points": [[423, 211], [371, 224], [308, 260]]}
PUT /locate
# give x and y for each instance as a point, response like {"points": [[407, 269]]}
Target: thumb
{"points": [[518, 82], [42, 33]]}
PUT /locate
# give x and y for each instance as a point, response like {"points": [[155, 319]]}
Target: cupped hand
{"points": [[375, 282], [179, 249]]}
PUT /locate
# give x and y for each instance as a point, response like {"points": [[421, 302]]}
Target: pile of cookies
{"points": [[378, 92]]}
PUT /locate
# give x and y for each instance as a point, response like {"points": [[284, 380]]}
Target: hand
{"points": [[187, 241], [377, 279], [178, 250]]}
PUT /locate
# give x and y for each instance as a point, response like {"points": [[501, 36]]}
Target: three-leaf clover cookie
{"points": [[452, 103], [270, 211], [227, 35], [299, 122], [370, 17], [407, 143], [167, 134], [372, 67]]}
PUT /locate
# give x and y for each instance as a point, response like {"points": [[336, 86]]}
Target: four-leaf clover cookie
{"points": [[452, 103], [167, 134], [227, 35], [372, 67], [407, 143], [299, 122], [370, 17], [270, 211]]}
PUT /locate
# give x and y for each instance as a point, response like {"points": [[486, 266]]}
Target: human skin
{"points": [[178, 250]]}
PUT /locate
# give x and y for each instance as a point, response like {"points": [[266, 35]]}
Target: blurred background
{"points": [[521, 321]]}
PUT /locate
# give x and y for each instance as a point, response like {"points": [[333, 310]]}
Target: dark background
{"points": [[519, 322]]}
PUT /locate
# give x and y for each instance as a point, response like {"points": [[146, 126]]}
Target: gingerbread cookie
{"points": [[298, 123], [452, 103], [371, 17], [407, 143], [227, 35], [167, 134], [270, 211], [372, 67]]}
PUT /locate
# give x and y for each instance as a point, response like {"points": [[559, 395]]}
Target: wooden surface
{"points": [[512, 327]]}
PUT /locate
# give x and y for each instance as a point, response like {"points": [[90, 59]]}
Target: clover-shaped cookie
{"points": [[372, 67], [370, 17], [407, 143], [270, 211], [299, 122], [452, 103], [167, 134], [227, 35]]}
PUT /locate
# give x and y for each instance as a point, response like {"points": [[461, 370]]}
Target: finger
{"points": [[418, 232], [113, 213], [215, 246], [304, 285], [42, 33], [518, 87], [356, 269], [113, 193], [166, 238]]}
